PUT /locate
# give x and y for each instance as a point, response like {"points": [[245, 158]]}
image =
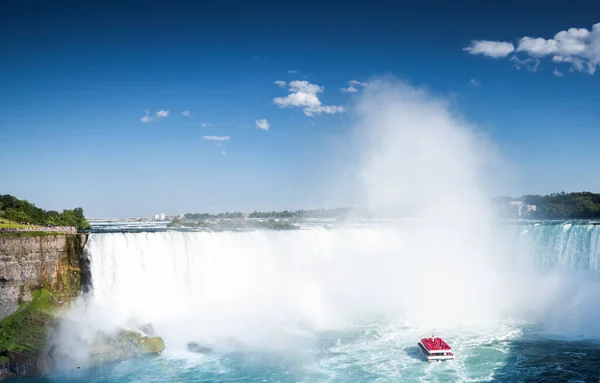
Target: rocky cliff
{"points": [[29, 261], [40, 274]]}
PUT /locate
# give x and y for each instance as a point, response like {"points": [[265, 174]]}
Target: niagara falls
{"points": [[253, 192]]}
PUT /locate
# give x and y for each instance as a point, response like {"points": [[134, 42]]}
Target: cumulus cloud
{"points": [[281, 83], [216, 138], [262, 124], [304, 95], [206, 124], [353, 86], [160, 114], [474, 82], [558, 73], [186, 113], [291, 71], [576, 63], [493, 49], [577, 47]]}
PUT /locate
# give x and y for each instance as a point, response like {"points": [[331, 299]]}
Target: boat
{"points": [[435, 349]]}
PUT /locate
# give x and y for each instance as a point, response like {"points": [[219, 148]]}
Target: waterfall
{"points": [[256, 285], [565, 245]]}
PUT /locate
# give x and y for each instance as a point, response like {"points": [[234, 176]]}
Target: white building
{"points": [[160, 217], [521, 206]]}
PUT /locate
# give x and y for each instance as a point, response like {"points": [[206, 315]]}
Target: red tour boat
{"points": [[435, 349]]}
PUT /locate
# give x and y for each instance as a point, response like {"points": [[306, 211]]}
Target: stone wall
{"points": [[56, 262]]}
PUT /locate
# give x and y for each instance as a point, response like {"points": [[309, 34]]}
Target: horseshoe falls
{"points": [[348, 302]]}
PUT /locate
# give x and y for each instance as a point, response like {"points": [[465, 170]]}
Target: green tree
{"points": [[23, 211]]}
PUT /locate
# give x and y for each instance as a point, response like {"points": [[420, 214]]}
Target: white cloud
{"points": [[577, 47], [216, 138], [281, 83], [291, 71], [493, 49], [223, 153], [474, 82], [162, 113], [146, 118], [304, 95], [530, 64], [565, 43], [206, 124], [558, 73], [329, 109], [262, 124], [576, 63], [186, 113], [357, 83], [219, 144], [353, 86]]}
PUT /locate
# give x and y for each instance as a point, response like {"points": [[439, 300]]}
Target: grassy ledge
{"points": [[27, 328]]}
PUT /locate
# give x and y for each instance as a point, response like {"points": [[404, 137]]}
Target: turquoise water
{"points": [[286, 277], [374, 353]]}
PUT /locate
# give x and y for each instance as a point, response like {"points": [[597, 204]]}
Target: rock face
{"points": [[55, 261], [123, 345], [24, 335], [5, 367], [39, 276], [26, 340], [199, 348]]}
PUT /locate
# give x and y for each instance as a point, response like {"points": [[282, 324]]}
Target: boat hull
{"points": [[435, 356]]}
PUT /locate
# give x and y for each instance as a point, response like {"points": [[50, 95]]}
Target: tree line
{"points": [[205, 216], [552, 206], [565, 205], [559, 205], [311, 213], [23, 211], [314, 213]]}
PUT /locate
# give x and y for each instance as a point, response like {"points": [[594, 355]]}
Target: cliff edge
{"points": [[29, 261]]}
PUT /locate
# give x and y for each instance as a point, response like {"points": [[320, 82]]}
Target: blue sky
{"points": [[78, 78]]}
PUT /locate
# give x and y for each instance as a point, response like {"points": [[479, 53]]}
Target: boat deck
{"points": [[435, 349]]}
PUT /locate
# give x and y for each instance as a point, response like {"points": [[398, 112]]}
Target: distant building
{"points": [[522, 207], [160, 217]]}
